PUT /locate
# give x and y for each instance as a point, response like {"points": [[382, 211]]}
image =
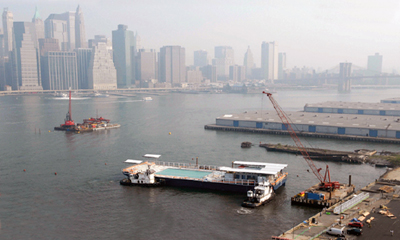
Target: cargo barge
{"points": [[240, 177]]}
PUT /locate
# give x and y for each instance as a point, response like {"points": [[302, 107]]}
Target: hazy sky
{"points": [[314, 33]]}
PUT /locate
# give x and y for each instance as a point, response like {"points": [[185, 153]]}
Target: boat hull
{"points": [[216, 186]]}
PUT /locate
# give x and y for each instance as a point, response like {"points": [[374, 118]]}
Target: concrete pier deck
{"points": [[383, 192]]}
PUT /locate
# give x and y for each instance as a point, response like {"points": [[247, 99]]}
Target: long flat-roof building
{"points": [[391, 100], [361, 108], [322, 123]]}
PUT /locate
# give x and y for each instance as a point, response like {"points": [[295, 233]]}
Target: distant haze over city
{"points": [[317, 34]]}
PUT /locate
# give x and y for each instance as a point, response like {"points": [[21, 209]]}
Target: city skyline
{"points": [[314, 35]]}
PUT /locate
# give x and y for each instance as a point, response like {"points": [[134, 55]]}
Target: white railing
{"points": [[186, 165], [350, 203]]}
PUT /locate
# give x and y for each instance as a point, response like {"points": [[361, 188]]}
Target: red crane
{"points": [[69, 123], [325, 182]]}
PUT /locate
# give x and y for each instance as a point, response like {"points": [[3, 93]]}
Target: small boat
{"points": [[147, 99], [260, 196]]}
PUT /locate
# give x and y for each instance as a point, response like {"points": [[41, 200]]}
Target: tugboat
{"points": [[69, 124], [261, 195]]}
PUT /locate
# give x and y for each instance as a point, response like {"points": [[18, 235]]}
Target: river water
{"points": [[84, 199]]}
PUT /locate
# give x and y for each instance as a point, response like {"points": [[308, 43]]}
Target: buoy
{"points": [[105, 163], [169, 133], [49, 131], [24, 170], [55, 173], [79, 160]]}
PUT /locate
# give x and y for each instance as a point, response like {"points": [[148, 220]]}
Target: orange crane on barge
{"points": [[325, 181]]}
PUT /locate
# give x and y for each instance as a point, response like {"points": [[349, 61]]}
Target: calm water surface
{"points": [[85, 201]]}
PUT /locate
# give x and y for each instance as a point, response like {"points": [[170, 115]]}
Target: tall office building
{"points": [[172, 65], [123, 41], [269, 60], [61, 27], [375, 64], [8, 20], [248, 62], [100, 38], [223, 59], [59, 71], [102, 74], [281, 65], [48, 45], [26, 58], [209, 72], [2, 73], [200, 58], [237, 73], [146, 64], [39, 24], [80, 33], [83, 56]]}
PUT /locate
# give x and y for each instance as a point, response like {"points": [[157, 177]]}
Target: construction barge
{"points": [[88, 125], [259, 180]]}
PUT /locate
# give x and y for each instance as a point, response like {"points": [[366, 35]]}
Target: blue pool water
{"points": [[183, 173]]}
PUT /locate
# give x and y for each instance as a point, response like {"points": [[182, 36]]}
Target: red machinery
{"points": [[69, 123], [96, 120], [326, 182]]}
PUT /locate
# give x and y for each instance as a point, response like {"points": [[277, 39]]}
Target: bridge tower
{"points": [[344, 82]]}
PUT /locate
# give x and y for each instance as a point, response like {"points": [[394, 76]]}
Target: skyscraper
{"points": [[25, 60], [375, 64], [59, 71], [80, 33], [2, 73], [223, 59], [281, 65], [101, 72], [200, 58], [62, 28], [8, 20], [147, 64], [248, 62], [83, 56], [123, 40], [39, 24], [269, 60], [172, 65], [100, 38]]}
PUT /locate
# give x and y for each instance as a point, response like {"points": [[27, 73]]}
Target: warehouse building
{"points": [[382, 109], [321, 123]]}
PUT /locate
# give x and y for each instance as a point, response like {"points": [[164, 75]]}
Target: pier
{"points": [[377, 207], [303, 134]]}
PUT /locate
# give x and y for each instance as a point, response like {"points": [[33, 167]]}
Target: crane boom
{"points": [[282, 115]]}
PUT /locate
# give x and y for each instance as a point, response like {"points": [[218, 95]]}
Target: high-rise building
{"points": [[248, 62], [281, 65], [269, 60], [194, 75], [209, 72], [80, 33], [102, 74], [172, 65], [100, 38], [375, 64], [26, 57], [200, 58], [123, 41], [2, 73], [47, 45], [59, 71], [39, 24], [83, 56], [237, 73], [146, 64], [61, 27], [8, 20], [223, 59]]}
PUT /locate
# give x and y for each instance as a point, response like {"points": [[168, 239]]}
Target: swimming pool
{"points": [[183, 173]]}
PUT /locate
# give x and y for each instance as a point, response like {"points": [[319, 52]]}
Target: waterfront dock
{"points": [[377, 206], [303, 134]]}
